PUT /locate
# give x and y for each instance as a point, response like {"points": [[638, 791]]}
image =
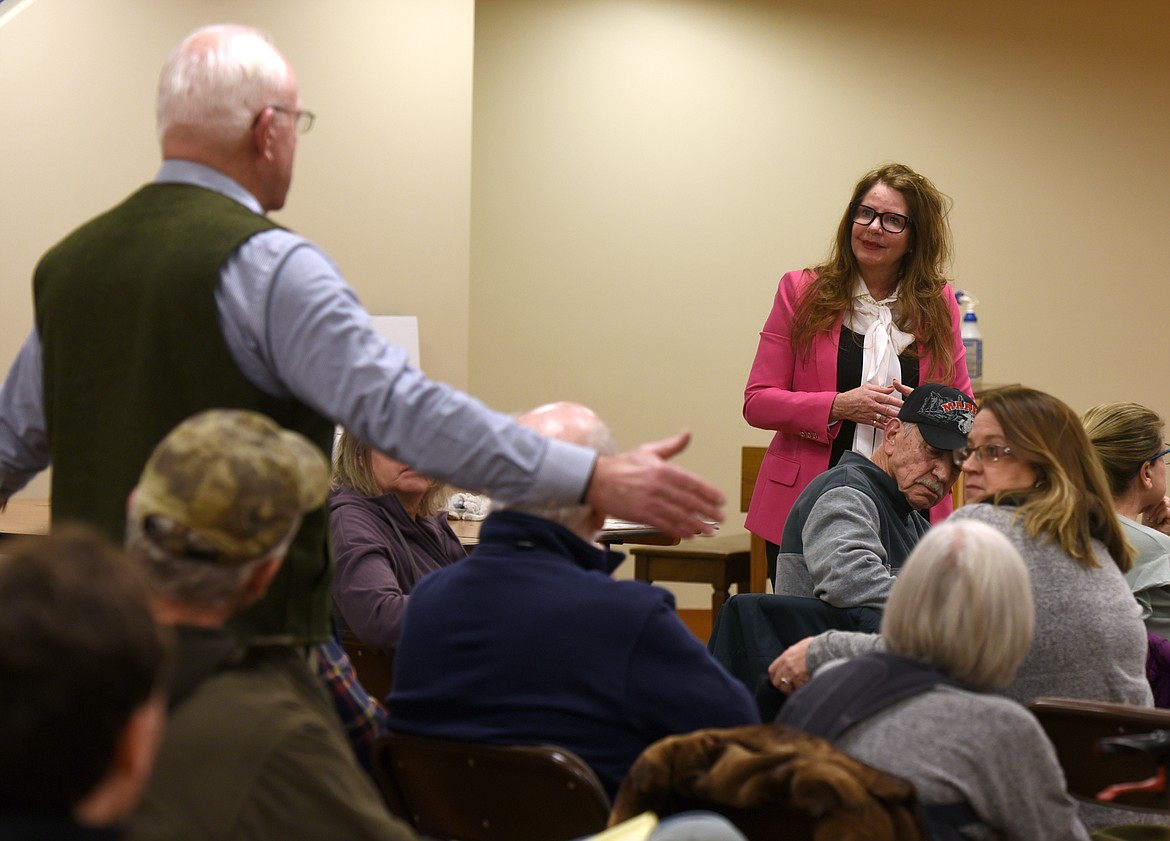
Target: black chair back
{"points": [[1074, 726], [472, 792]]}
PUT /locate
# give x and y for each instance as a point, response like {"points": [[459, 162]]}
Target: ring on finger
{"points": [[786, 681]]}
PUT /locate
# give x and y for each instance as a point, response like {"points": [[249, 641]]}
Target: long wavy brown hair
{"points": [[922, 310], [1071, 503]]}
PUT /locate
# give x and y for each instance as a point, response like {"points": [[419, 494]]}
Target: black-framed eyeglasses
{"points": [[863, 214], [304, 119], [990, 453]]}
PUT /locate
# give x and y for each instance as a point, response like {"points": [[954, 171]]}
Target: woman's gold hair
{"points": [[1070, 504], [352, 469], [1125, 436], [922, 310]]}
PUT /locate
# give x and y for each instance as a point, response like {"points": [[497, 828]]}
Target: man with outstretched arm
{"points": [[186, 296]]}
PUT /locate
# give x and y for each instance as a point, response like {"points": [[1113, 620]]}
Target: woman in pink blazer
{"points": [[847, 339]]}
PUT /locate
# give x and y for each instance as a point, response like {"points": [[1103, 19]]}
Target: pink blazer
{"points": [[794, 396]]}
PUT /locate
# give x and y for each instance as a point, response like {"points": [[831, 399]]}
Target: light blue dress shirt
{"points": [[296, 328]]}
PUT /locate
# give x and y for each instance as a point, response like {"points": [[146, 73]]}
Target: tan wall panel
{"points": [[643, 172], [381, 181]]}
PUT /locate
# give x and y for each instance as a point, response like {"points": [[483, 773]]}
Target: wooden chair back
{"points": [[1074, 726], [374, 667], [750, 461], [473, 792]]}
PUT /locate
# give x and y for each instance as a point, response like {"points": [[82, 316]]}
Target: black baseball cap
{"points": [[944, 415]]}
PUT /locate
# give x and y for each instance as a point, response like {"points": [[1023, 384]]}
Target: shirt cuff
{"points": [[565, 473]]}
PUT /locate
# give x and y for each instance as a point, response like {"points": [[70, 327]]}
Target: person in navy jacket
{"points": [[531, 641]]}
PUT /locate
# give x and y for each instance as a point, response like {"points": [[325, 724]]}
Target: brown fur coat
{"points": [[771, 780]]}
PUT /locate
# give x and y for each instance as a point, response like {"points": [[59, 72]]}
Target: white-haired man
{"points": [[854, 525], [187, 296], [847, 536]]}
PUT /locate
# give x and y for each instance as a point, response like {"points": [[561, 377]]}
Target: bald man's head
{"points": [[570, 422], [574, 424]]}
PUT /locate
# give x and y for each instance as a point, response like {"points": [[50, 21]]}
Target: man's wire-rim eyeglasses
{"points": [[304, 119], [894, 223], [990, 453]]}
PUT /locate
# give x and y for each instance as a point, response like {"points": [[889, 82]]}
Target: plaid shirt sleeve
{"points": [[363, 717]]}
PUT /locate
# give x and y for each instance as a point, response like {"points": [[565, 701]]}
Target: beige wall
{"points": [[381, 181], [642, 171]]}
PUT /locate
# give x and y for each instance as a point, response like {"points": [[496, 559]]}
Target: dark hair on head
{"points": [[923, 312], [79, 654], [1071, 503]]}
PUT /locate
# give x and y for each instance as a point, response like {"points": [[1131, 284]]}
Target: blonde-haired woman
{"points": [[388, 532], [958, 624], [1130, 441], [1033, 475]]}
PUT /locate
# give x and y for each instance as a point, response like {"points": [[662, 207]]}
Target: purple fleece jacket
{"points": [[380, 553]]}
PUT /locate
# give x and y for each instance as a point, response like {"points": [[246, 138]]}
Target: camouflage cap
{"points": [[226, 486]]}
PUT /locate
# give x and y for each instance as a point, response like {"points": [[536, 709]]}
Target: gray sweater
{"points": [[1090, 641], [986, 751]]}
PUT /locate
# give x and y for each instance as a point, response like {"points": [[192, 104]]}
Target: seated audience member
{"points": [[530, 641], [81, 700], [1131, 444], [853, 526], [388, 532], [958, 624], [254, 748], [1032, 474]]}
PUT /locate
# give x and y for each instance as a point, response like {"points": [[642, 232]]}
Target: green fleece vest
{"points": [[125, 310]]}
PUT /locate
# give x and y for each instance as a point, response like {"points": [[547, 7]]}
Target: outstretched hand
{"points": [[642, 485]]}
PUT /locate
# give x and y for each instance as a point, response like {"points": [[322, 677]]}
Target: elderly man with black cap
{"points": [[254, 748], [853, 526]]}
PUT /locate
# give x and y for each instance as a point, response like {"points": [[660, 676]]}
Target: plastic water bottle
{"points": [[972, 338]]}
